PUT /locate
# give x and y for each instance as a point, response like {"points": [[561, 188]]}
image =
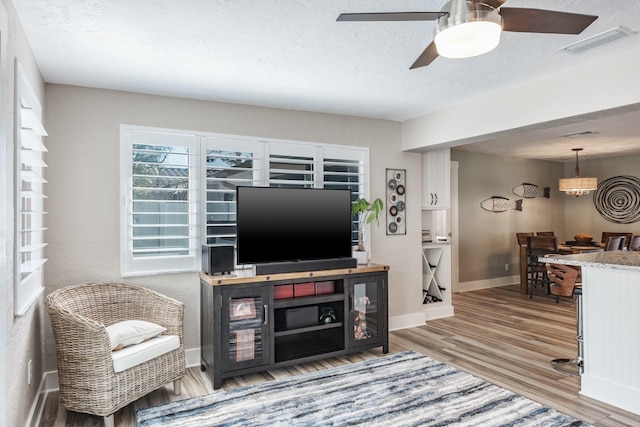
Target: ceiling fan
{"points": [[467, 28]]}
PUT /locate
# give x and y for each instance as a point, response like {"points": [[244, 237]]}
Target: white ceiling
{"points": [[293, 54]]}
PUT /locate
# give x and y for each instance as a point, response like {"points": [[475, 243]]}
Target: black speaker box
{"points": [[217, 259]]}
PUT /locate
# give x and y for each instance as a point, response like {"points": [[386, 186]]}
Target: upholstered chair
{"points": [[607, 234], [615, 243], [90, 320]]}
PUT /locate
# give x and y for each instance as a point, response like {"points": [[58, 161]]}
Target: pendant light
{"points": [[577, 186]]}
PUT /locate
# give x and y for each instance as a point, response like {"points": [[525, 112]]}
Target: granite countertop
{"points": [[615, 260]]}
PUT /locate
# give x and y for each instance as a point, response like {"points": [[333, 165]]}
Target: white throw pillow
{"points": [[131, 332]]}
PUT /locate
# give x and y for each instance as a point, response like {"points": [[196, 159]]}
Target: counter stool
{"points": [[564, 283]]}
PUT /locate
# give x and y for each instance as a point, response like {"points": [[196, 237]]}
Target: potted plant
{"points": [[367, 213]]}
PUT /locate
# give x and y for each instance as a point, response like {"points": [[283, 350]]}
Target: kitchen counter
{"points": [[611, 319], [614, 260]]}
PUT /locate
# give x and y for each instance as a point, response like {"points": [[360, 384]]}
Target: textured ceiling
{"points": [[293, 54]]}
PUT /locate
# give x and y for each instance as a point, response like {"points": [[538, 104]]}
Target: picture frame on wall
{"points": [[396, 201]]}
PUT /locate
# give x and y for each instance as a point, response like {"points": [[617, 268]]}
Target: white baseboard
{"points": [[35, 413], [435, 312], [192, 357], [406, 321], [488, 283]]}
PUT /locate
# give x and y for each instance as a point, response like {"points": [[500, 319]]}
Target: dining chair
{"points": [[545, 233], [615, 243], [634, 245], [607, 234], [565, 282], [522, 237], [537, 247]]}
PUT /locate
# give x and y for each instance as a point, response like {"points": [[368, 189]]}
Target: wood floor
{"points": [[496, 334]]}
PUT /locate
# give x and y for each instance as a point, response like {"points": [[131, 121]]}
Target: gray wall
{"points": [[22, 336], [581, 215], [487, 240], [84, 185]]}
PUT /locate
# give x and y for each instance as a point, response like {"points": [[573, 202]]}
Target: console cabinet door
{"points": [[367, 320], [245, 327]]}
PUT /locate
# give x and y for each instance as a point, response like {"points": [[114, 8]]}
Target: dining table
{"points": [[578, 248]]}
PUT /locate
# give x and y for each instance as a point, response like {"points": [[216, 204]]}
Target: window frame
{"points": [[129, 264], [262, 149]]}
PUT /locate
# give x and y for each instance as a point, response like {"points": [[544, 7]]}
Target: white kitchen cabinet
{"points": [[436, 179]]}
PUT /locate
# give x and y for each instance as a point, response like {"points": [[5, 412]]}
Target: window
{"points": [[179, 188], [160, 202], [30, 211]]}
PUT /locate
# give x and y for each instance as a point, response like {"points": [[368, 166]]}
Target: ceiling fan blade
{"points": [[391, 16], [426, 57], [524, 20]]}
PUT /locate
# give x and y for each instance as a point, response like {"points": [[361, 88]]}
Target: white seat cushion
{"points": [[136, 354]]}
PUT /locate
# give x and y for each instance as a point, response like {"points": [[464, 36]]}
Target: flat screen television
{"points": [[293, 225]]}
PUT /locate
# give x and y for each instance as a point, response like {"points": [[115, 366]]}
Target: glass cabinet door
{"points": [[245, 338], [367, 311]]}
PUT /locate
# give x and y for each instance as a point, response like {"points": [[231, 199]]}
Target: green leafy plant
{"points": [[368, 213]]}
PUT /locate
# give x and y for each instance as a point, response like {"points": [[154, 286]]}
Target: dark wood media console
{"points": [[254, 323]]}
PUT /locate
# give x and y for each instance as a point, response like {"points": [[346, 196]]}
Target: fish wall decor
{"points": [[501, 204], [529, 191]]}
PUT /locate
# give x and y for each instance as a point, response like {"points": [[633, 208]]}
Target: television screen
{"points": [[292, 224]]}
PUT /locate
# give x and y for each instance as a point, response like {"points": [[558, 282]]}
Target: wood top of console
{"points": [[247, 276]]}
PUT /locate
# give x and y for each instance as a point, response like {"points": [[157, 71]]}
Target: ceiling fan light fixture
{"points": [[468, 34], [577, 186]]}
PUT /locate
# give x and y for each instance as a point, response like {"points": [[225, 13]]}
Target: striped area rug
{"points": [[402, 389]]}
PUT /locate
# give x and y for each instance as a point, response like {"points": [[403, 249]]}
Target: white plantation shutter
{"points": [[179, 188], [292, 165], [161, 201], [30, 197], [229, 163], [344, 168]]}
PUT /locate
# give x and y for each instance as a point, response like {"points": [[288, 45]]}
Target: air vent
{"points": [[579, 134], [598, 40]]}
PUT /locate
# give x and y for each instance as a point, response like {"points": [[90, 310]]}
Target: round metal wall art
{"points": [[618, 199], [396, 201]]}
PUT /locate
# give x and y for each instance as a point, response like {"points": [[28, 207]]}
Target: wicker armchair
{"points": [[79, 316]]}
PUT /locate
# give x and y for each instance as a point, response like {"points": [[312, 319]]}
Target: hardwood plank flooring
{"points": [[496, 334]]}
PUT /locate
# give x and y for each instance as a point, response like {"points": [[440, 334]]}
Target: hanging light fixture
{"points": [[578, 186], [470, 29]]}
